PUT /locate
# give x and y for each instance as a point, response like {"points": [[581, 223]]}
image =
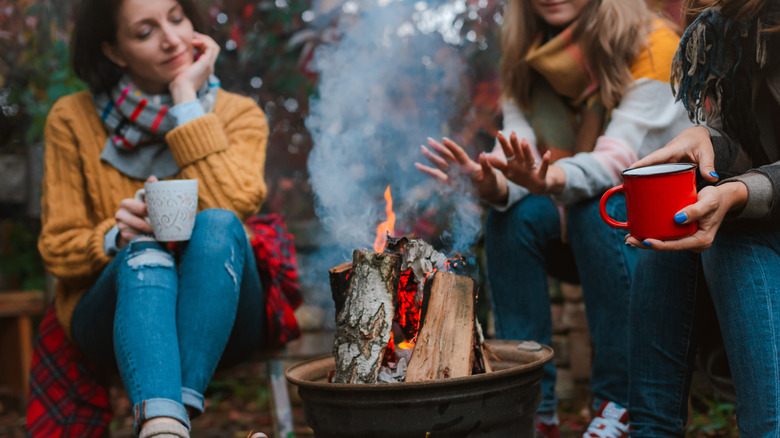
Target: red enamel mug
{"points": [[654, 194]]}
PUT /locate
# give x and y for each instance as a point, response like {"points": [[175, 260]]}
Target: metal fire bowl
{"points": [[497, 404]]}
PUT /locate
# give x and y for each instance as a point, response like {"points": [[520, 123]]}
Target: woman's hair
{"points": [[734, 9], [96, 23], [611, 34]]}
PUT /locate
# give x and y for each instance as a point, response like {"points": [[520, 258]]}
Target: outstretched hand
{"points": [[522, 168], [448, 157]]}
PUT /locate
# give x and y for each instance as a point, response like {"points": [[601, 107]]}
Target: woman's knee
{"points": [[534, 216], [213, 221]]}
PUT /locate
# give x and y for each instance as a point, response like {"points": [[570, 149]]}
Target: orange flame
{"points": [[386, 227]]}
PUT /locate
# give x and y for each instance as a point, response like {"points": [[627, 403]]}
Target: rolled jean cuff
{"points": [[159, 407], [192, 399]]}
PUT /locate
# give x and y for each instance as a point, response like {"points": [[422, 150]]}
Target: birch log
{"points": [[445, 344], [364, 324]]}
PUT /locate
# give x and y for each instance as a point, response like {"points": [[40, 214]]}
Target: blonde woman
{"points": [[735, 255], [585, 94]]}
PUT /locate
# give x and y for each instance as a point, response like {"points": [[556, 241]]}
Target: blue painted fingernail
{"points": [[714, 174], [680, 217], [647, 244]]}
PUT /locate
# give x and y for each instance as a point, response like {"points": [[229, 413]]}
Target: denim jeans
{"points": [[524, 244], [742, 273], [166, 327]]}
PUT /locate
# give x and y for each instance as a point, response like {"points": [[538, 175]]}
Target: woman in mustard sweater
{"points": [[164, 317]]}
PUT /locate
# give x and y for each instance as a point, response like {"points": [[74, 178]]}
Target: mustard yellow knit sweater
{"points": [[224, 150]]}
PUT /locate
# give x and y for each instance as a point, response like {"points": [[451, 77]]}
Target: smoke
{"points": [[392, 80]]}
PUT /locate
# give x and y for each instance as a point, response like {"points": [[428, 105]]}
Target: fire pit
{"points": [[501, 403]]}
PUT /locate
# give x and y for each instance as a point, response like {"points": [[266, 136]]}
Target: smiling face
{"points": [[558, 13], [153, 43]]}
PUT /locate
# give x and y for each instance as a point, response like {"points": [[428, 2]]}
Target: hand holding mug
{"points": [[130, 220], [171, 207], [654, 197], [709, 210], [693, 145]]}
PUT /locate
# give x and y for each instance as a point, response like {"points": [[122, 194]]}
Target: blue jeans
{"points": [[166, 327], [742, 273], [524, 244]]}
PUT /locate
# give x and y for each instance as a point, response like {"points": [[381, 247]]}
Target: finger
{"points": [[460, 155], [434, 159], [137, 208], [517, 150], [124, 217], [705, 206], [441, 150], [528, 157], [545, 165], [633, 241], [436, 173], [505, 145], [696, 242], [707, 164], [660, 156], [495, 162]]}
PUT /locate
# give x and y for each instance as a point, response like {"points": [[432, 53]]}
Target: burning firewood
{"points": [[339, 284], [364, 323], [445, 343]]}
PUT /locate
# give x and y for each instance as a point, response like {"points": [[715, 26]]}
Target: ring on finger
{"points": [[508, 159], [533, 166]]}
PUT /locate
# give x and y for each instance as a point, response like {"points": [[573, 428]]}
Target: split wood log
{"points": [[339, 283], [364, 325], [445, 344]]}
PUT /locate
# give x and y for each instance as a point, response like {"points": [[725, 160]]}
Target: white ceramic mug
{"points": [[171, 206]]}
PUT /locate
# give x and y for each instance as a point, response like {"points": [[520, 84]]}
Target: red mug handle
{"points": [[603, 209]]}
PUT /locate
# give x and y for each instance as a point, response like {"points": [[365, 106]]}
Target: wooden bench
{"points": [[17, 309]]}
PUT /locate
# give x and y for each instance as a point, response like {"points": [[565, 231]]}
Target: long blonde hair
{"points": [[610, 32]]}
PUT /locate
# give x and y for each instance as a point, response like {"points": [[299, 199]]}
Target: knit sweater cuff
{"points": [[759, 202], [96, 243], [197, 139]]}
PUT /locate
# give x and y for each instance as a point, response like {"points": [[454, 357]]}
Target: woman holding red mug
{"points": [[734, 85]]}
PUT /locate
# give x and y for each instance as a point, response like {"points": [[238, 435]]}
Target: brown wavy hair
{"points": [[96, 23], [611, 34]]}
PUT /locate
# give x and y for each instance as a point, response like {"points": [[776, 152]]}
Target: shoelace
{"points": [[602, 427]]}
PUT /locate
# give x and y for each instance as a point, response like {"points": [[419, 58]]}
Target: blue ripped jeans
{"points": [[166, 327], [524, 244], [742, 274]]}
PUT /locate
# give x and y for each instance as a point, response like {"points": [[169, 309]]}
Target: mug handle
{"points": [[603, 209], [140, 195]]}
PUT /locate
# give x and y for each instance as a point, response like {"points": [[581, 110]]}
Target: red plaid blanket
{"points": [[67, 399]]}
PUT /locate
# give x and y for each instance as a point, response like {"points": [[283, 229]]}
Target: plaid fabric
{"points": [[66, 397], [275, 256]]}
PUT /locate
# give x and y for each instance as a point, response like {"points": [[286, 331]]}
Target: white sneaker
{"points": [[611, 421]]}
